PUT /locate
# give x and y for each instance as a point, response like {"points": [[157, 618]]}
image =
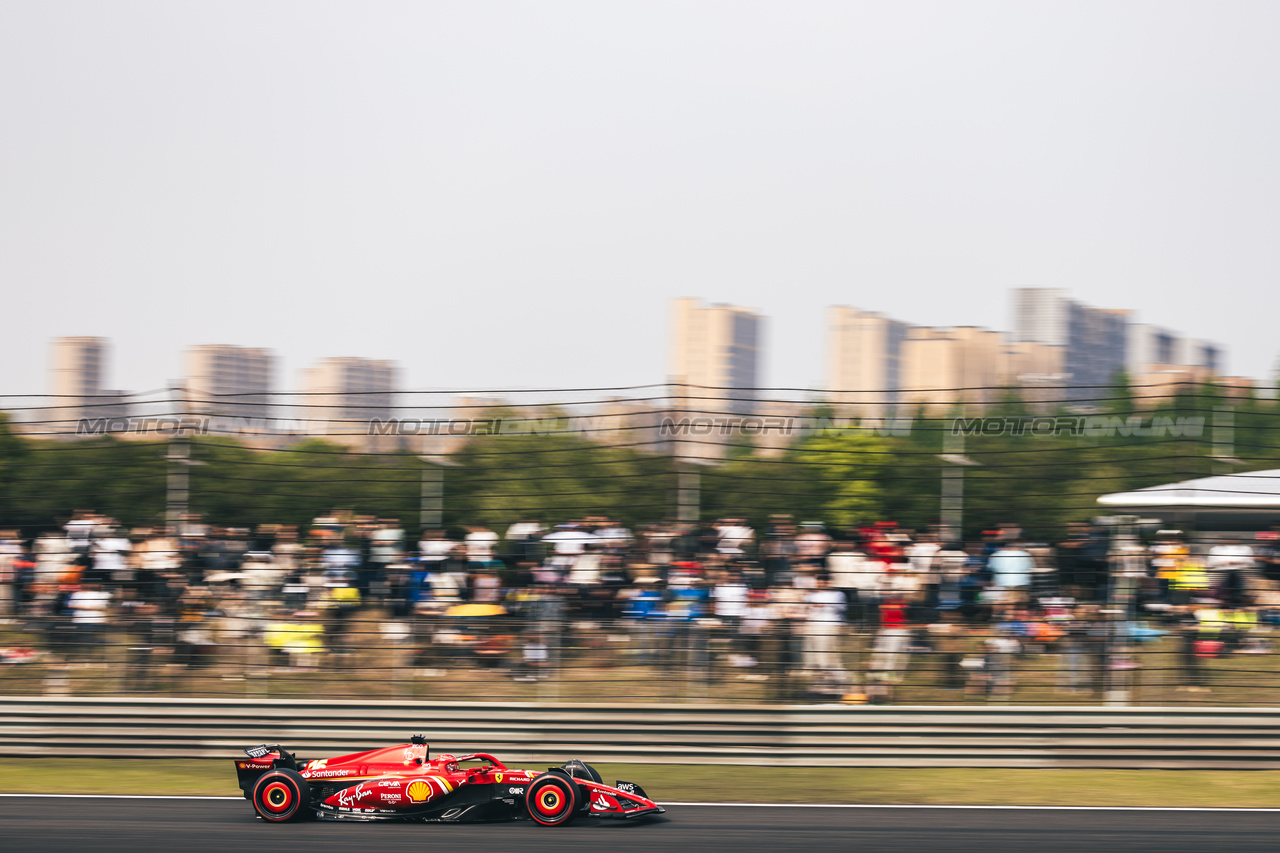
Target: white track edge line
{"points": [[751, 805], [979, 807], [120, 797]]}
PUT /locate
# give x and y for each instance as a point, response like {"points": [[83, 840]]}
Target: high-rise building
{"points": [[1153, 350], [76, 377], [715, 354], [1035, 369], [864, 360], [230, 381], [1093, 339], [1150, 349], [1203, 355], [965, 365], [877, 365], [348, 393], [76, 367]]}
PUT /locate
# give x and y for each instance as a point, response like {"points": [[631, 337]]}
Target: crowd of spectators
{"points": [[780, 604]]}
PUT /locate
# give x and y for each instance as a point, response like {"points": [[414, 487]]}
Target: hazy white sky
{"points": [[508, 194]]}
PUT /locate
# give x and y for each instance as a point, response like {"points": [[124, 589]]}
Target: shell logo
{"points": [[418, 791]]}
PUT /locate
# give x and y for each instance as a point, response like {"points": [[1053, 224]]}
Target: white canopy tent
{"points": [[1246, 500]]}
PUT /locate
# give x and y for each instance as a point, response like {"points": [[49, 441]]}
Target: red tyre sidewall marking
{"points": [[271, 789], [551, 812], [552, 793]]}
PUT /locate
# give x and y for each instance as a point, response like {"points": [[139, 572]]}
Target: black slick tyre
{"points": [[552, 800], [280, 795]]}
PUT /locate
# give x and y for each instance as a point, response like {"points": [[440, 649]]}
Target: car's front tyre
{"points": [[281, 795], [552, 800]]}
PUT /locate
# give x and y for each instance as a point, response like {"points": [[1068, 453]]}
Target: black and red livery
{"points": [[403, 782]]}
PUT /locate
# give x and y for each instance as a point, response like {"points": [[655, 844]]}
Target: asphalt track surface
{"points": [[131, 825]]}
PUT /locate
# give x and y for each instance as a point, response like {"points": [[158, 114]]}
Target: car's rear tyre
{"points": [[552, 800], [281, 795]]}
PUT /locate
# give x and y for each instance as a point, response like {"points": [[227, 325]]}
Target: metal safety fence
{"points": [[510, 657], [1173, 738]]}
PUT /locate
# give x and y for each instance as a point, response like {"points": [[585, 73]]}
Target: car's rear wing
{"points": [[262, 750], [263, 758], [287, 759]]}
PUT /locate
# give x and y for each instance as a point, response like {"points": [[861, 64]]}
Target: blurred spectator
{"points": [[433, 549], [735, 537], [822, 632], [730, 600], [10, 554], [568, 541], [851, 574], [110, 558], [482, 543], [486, 587], [522, 540], [611, 537], [947, 637], [922, 556], [758, 628], [1011, 568], [88, 607], [79, 531], [641, 609], [206, 601], [812, 544], [778, 547], [1001, 647], [1229, 564]]}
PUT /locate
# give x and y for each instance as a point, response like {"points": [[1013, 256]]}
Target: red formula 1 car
{"points": [[404, 782]]}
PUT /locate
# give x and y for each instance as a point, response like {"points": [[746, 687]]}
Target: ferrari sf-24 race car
{"points": [[404, 783]]}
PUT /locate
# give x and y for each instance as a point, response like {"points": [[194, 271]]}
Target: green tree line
{"points": [[1042, 473]]}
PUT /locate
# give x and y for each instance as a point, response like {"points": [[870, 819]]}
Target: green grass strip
{"points": [[718, 783]]}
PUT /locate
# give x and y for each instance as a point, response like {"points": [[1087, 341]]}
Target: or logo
{"points": [[418, 791], [515, 790]]}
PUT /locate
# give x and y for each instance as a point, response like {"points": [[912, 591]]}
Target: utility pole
{"points": [[432, 502], [952, 509], [177, 491], [688, 491], [1224, 440], [686, 456]]}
